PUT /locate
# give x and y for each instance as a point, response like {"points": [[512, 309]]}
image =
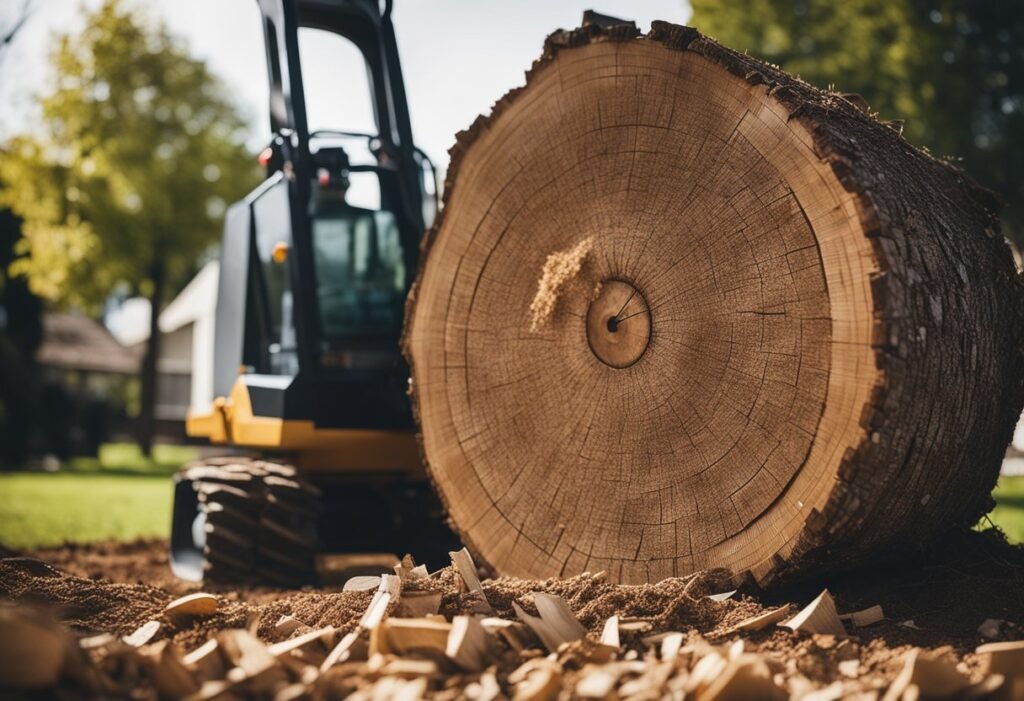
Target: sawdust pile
{"points": [[560, 269], [448, 635]]}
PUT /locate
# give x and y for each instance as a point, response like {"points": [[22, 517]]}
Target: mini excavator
{"points": [[310, 383], [761, 415]]}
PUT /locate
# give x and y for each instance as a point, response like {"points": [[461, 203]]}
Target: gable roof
{"points": [[76, 342]]}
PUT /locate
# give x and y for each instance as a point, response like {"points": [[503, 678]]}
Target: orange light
{"points": [[280, 253]]}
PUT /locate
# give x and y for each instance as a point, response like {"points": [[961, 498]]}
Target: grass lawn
{"points": [[1009, 511], [127, 458], [123, 496], [120, 495]]}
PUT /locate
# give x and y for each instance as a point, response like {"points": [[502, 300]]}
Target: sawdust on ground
{"points": [[930, 600]]}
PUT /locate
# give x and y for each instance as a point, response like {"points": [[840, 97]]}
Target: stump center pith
{"points": [[619, 324]]}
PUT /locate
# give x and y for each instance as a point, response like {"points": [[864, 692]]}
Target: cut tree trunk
{"points": [[683, 310]]}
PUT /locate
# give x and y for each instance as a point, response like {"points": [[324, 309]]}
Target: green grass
{"points": [[120, 495], [127, 458], [1009, 511], [47, 509]]}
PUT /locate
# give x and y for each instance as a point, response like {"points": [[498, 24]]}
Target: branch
{"points": [[8, 37]]}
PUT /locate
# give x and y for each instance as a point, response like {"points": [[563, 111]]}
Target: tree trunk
{"points": [[683, 310], [149, 374]]}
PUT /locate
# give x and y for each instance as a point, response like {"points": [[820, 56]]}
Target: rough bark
{"points": [[852, 293]]}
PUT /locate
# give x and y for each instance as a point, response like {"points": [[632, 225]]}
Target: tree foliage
{"points": [[952, 69], [138, 151]]}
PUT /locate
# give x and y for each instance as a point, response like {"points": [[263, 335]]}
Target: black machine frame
{"points": [[330, 397]]}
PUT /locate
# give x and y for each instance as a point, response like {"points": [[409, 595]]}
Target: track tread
{"points": [[260, 520]]}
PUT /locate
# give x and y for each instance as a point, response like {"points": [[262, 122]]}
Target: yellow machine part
{"points": [[231, 422]]}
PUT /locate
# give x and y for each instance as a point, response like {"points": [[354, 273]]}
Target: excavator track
{"points": [[239, 519]]}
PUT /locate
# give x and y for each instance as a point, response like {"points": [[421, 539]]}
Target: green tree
{"points": [[952, 69], [125, 181]]}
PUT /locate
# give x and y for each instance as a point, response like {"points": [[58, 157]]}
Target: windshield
{"points": [[358, 258], [360, 271]]}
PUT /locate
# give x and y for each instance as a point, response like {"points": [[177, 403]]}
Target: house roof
{"points": [[76, 342]]}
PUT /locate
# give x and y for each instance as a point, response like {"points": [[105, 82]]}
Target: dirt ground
{"points": [[929, 600]]}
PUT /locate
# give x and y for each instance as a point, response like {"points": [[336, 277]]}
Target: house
{"points": [[85, 372], [73, 343], [185, 365]]}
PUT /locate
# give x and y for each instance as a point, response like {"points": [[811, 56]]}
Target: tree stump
{"points": [[683, 310]]}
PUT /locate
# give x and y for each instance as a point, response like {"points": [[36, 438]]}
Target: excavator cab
{"points": [[307, 372]]}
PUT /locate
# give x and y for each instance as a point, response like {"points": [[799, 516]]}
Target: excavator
{"points": [[309, 380], [312, 392]]}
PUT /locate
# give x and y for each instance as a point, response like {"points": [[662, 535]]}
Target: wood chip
{"points": [[516, 635], [610, 634], [215, 688], [1002, 658], [322, 638], [346, 649], [250, 657], [539, 679], [398, 689], [206, 662], [362, 583], [404, 636], [389, 591], [287, 625], [198, 604], [634, 625], [819, 616], [468, 644], [866, 617], [746, 677], [597, 682], [486, 688], [995, 687], [1006, 659], [934, 675], [96, 642], [142, 635], [670, 646], [556, 623], [409, 668], [849, 668], [416, 604], [32, 650], [724, 596], [164, 666], [707, 669], [408, 569], [292, 692], [762, 620], [492, 624], [832, 692], [463, 563]]}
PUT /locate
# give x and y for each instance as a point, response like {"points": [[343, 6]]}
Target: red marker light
{"points": [[265, 156], [323, 176]]}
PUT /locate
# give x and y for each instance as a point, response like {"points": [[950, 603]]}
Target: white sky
{"points": [[458, 56]]}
